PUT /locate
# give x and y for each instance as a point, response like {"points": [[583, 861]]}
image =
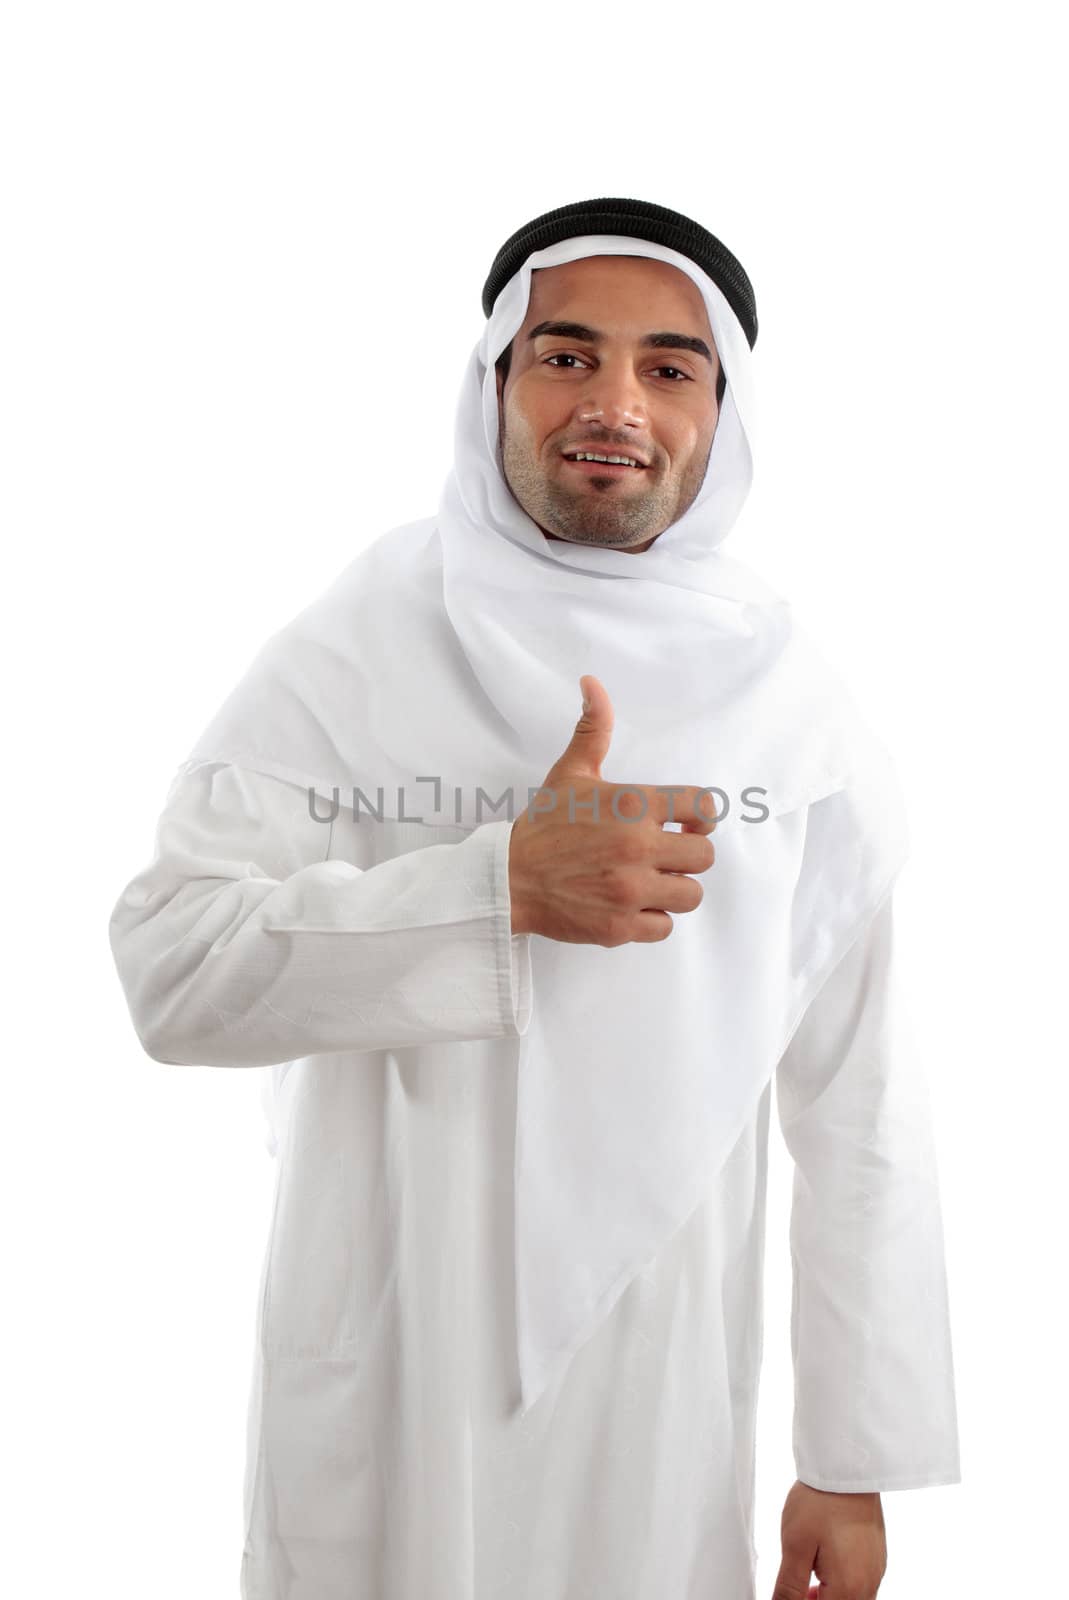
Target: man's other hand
{"points": [[838, 1537]]}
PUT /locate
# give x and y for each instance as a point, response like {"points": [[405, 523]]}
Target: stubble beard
{"points": [[594, 515]]}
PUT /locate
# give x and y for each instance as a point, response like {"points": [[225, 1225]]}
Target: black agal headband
{"points": [[637, 219]]}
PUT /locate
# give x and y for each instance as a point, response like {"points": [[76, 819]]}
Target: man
{"points": [[518, 1071]]}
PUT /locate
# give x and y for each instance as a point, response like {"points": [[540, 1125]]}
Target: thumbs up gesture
{"points": [[587, 869]]}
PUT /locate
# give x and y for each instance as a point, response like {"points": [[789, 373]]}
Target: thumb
{"points": [[589, 744]]}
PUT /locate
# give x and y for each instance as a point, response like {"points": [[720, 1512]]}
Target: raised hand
{"points": [[590, 862]]}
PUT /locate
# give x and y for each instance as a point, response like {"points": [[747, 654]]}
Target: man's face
{"points": [[598, 386]]}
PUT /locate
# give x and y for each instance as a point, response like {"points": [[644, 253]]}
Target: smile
{"points": [[603, 469]]}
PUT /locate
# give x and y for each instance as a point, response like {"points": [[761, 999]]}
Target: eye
{"points": [[568, 355]]}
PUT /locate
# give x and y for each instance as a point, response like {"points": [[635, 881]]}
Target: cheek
{"points": [[682, 442], [695, 439], [530, 419]]}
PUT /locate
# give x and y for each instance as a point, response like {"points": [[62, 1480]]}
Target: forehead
{"points": [[602, 290]]}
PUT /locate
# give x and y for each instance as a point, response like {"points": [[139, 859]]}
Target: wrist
{"points": [[521, 922], [518, 904]]}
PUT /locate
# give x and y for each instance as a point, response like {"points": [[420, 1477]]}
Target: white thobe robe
{"points": [[370, 969]]}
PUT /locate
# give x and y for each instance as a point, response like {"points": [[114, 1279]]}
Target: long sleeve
{"points": [[242, 944], [874, 1400]]}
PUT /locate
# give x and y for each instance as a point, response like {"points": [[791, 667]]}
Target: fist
{"points": [[590, 862]]}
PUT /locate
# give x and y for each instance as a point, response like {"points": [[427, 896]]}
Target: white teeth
{"points": [[588, 455]]}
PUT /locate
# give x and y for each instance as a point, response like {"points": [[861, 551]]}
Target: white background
{"points": [[245, 248]]}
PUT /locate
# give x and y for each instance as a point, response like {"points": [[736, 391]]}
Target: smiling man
{"points": [[518, 1072]]}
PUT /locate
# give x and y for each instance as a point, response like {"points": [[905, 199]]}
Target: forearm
{"points": [[236, 947], [874, 1386]]}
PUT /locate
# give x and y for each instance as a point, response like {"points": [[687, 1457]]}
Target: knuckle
{"points": [[618, 888], [627, 803], [614, 931], [859, 1585], [632, 847]]}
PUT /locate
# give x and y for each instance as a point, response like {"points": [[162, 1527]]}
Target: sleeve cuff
{"points": [[513, 950], [881, 1483]]}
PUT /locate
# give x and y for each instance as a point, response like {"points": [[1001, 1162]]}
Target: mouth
{"points": [[605, 469]]}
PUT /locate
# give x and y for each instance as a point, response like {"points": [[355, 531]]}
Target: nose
{"points": [[612, 397]]}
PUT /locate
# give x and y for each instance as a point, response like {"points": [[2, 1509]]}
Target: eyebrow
{"points": [[651, 341]]}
